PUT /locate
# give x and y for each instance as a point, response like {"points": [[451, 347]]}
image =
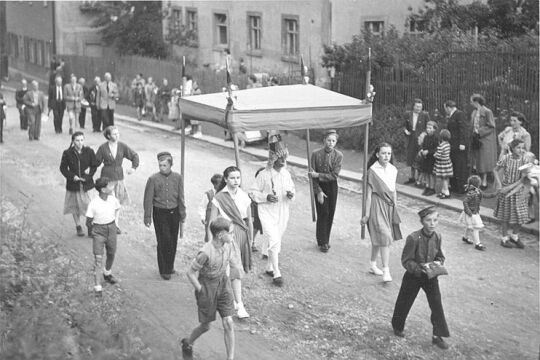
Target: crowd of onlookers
{"points": [[450, 150]]}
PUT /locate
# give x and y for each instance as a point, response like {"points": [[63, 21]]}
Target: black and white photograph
{"points": [[269, 179]]}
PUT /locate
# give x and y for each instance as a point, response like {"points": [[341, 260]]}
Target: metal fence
{"points": [[508, 81]]}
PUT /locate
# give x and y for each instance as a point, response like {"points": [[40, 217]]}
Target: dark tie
{"points": [[107, 87]]}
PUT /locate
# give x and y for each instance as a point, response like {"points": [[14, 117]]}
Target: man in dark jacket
{"points": [[415, 124], [19, 96], [57, 103], [460, 130], [93, 98], [78, 165]]}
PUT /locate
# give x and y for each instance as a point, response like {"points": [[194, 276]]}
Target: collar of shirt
{"points": [[427, 236], [327, 150]]}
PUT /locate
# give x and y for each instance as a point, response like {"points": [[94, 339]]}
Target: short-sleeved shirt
{"points": [[211, 262], [103, 211], [388, 174]]}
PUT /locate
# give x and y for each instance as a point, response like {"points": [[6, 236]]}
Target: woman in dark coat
{"points": [[78, 165], [484, 157]]}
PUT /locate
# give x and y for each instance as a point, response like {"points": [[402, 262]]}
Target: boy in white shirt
{"points": [[100, 219]]}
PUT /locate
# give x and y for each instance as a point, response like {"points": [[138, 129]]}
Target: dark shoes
{"points": [[410, 181], [467, 240], [278, 281], [507, 244], [265, 257], [166, 276], [80, 231], [428, 192], [399, 333], [187, 349], [439, 342], [517, 243], [110, 279], [254, 249], [324, 248], [269, 273]]}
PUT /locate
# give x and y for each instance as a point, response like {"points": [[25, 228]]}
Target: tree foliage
{"points": [[504, 18], [131, 27]]}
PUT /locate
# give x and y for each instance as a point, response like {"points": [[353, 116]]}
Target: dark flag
{"points": [[183, 66]]}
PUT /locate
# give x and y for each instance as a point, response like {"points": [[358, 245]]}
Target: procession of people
{"points": [[444, 154]]}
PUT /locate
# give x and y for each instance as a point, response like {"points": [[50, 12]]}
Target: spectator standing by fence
{"points": [[2, 117], [84, 102], [108, 96], [19, 95], [415, 124], [150, 92], [57, 104], [460, 131], [514, 131], [164, 97], [93, 101], [73, 94], [34, 102], [139, 100], [485, 155]]}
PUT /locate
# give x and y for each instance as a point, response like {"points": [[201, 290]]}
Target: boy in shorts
{"points": [[100, 219], [212, 285]]}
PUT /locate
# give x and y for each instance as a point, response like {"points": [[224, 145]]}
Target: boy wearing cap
{"points": [[164, 204], [422, 247], [213, 291], [100, 220]]}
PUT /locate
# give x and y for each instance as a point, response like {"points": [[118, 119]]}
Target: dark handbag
{"points": [[434, 270], [476, 144]]}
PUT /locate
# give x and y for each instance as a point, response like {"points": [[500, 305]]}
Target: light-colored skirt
{"points": [[120, 192], [472, 222], [76, 203]]}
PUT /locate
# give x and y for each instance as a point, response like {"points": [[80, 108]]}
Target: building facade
{"points": [[36, 30], [262, 36], [270, 36]]}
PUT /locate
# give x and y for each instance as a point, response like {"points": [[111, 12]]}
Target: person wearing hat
{"points": [[164, 205], [326, 165], [422, 248], [273, 191]]}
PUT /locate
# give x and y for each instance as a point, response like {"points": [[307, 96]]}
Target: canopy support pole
{"points": [[236, 149], [311, 194], [366, 148], [365, 177], [182, 158]]}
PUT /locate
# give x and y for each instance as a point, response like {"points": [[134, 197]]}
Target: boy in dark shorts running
{"points": [[100, 219], [212, 285]]}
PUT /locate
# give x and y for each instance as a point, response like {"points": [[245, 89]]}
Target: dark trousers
{"points": [[82, 117], [23, 118], [107, 117], [407, 294], [166, 225], [58, 114], [2, 129], [96, 118], [461, 170], [325, 212]]}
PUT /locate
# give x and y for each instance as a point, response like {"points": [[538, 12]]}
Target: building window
{"points": [[47, 53], [192, 26], [13, 46], [290, 36], [374, 27], [417, 26], [176, 18], [40, 52], [221, 29], [255, 30]]}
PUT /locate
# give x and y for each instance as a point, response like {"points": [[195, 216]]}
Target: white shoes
{"points": [[241, 312], [197, 135], [375, 270], [386, 275]]}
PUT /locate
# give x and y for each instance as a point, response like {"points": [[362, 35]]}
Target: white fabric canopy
{"points": [[289, 107]]}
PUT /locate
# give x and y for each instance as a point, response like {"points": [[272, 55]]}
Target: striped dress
{"points": [[443, 164], [512, 209]]}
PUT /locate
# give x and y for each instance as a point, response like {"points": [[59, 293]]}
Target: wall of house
{"points": [[314, 21]]}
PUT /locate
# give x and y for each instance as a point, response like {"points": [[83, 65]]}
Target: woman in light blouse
{"points": [[514, 131]]}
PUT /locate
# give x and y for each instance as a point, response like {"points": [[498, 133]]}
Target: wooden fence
{"points": [[508, 81]]}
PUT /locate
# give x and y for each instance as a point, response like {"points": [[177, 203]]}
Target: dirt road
{"points": [[329, 308]]}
